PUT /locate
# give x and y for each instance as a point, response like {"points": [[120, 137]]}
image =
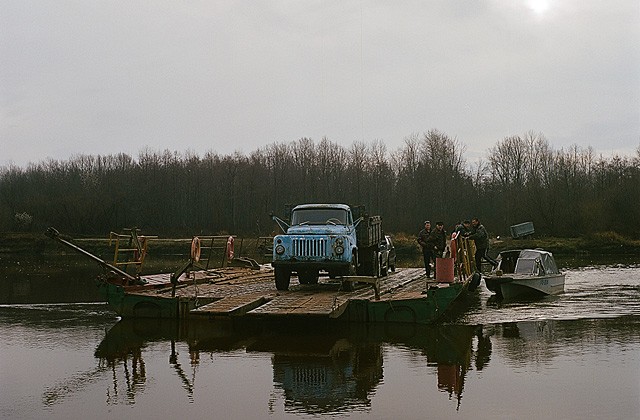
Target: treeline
{"points": [[563, 192]]}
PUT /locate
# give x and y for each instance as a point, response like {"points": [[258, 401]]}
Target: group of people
{"points": [[434, 242]]}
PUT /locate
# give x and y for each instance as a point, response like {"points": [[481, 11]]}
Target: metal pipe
{"points": [[54, 234]]}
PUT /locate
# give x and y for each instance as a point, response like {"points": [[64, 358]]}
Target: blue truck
{"points": [[334, 238]]}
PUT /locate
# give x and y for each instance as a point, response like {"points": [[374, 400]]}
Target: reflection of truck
{"points": [[321, 383], [331, 237]]}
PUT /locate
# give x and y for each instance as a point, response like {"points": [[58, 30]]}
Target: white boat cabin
{"points": [[527, 262]]}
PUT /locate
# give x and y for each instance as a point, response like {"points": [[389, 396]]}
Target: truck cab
{"points": [[320, 237], [336, 238]]}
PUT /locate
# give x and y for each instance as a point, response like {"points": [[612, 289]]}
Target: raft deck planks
{"points": [[239, 292], [233, 305], [259, 297]]}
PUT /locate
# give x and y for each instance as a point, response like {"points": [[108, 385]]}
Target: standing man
{"points": [[437, 241], [463, 227], [481, 238], [423, 240]]}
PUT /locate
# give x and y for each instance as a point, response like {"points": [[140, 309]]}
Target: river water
{"points": [[572, 356]]}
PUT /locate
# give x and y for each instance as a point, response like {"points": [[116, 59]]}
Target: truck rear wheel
{"points": [[384, 266], [369, 263], [283, 278], [347, 286]]}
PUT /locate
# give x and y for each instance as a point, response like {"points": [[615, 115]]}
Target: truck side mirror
{"points": [[281, 223]]}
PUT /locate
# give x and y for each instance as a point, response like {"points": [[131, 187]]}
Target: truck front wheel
{"points": [[347, 286], [283, 277], [353, 267]]}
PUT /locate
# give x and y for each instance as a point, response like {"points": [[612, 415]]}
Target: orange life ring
{"points": [[230, 248], [195, 249]]}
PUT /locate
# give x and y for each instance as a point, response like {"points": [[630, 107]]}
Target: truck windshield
{"points": [[319, 217]]}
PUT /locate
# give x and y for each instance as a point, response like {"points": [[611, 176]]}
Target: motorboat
{"points": [[525, 272]]}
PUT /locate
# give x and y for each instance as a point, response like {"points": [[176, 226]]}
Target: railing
{"points": [[216, 251], [135, 249], [465, 261]]}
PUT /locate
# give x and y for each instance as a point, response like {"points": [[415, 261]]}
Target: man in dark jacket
{"points": [[423, 240], [463, 227], [437, 241], [481, 239]]}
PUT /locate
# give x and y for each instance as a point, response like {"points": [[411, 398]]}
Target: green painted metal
{"points": [[424, 310], [131, 305]]}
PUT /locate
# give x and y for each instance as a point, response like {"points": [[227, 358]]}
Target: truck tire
{"points": [[384, 267], [369, 262], [283, 278], [353, 267], [347, 286], [374, 266]]}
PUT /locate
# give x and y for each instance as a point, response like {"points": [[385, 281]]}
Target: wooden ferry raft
{"points": [[242, 288], [404, 296]]}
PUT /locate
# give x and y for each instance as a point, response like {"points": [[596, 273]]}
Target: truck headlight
{"points": [[279, 249], [339, 250], [339, 241]]}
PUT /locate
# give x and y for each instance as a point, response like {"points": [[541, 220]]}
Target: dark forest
{"points": [[568, 192]]}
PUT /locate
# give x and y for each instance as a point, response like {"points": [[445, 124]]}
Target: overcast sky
{"points": [[103, 77]]}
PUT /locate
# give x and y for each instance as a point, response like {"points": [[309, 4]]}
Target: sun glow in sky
{"points": [[539, 6]]}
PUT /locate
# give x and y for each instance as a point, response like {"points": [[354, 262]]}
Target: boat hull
{"points": [[510, 287]]}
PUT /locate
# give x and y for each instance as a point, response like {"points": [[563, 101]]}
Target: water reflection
{"points": [[329, 370], [123, 350], [453, 350], [168, 369], [324, 369], [335, 376]]}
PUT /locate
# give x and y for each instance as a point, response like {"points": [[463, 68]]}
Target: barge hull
{"points": [[404, 297]]}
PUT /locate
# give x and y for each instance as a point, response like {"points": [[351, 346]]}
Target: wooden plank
{"points": [[395, 281], [282, 304], [157, 279], [301, 303], [321, 304], [372, 280], [233, 305]]}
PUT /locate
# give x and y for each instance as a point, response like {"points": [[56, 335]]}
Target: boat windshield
{"points": [[319, 216], [527, 266], [536, 263]]}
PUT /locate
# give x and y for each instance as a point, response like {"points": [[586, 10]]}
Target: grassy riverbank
{"points": [[17, 245], [606, 242]]}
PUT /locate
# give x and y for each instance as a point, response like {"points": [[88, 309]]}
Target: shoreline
{"points": [[25, 245]]}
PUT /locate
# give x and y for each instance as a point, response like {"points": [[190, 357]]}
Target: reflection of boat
{"points": [[525, 272], [324, 369], [527, 342]]}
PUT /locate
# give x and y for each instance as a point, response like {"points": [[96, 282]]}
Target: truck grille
{"points": [[309, 247], [310, 376]]}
